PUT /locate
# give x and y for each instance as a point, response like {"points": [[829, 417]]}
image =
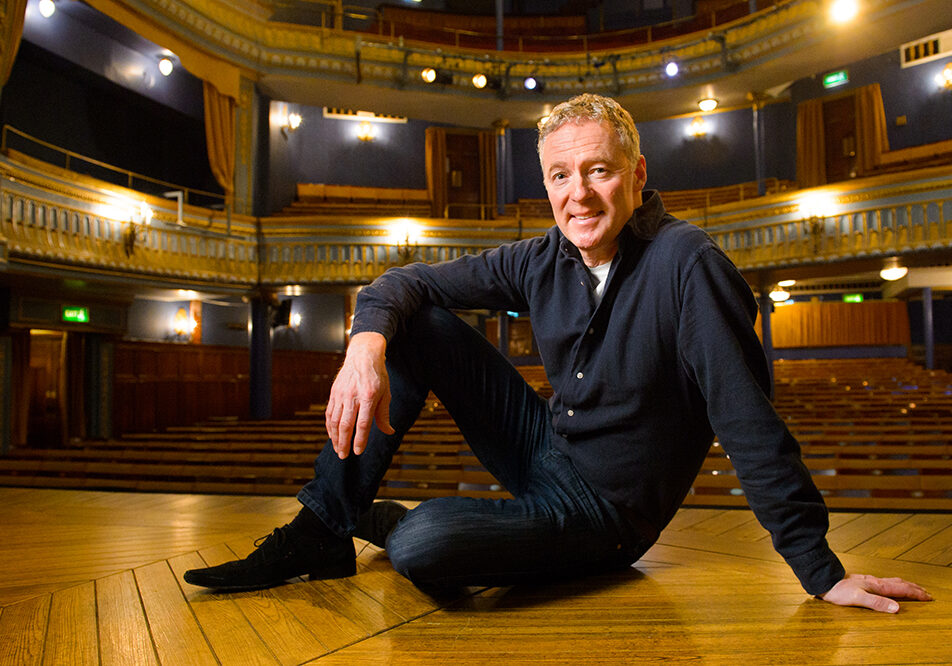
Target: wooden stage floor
{"points": [[96, 578]]}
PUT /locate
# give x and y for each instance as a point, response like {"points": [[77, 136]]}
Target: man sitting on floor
{"points": [[646, 332]]}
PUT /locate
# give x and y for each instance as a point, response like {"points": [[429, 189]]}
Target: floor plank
{"points": [[123, 631], [72, 636], [23, 630]]}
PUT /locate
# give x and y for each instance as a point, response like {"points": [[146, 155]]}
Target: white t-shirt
{"points": [[600, 273]]}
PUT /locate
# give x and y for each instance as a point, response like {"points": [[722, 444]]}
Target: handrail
{"points": [[130, 176]]}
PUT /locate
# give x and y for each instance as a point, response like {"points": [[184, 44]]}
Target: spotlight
{"points": [[166, 65], [708, 104], [892, 270], [431, 75], [672, 69], [533, 83], [479, 81], [46, 7]]}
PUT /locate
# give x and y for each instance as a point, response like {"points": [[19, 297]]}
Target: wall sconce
{"points": [[138, 218], [295, 321], [707, 104], [284, 119], [944, 78], [365, 131], [182, 325], [892, 270], [697, 128], [405, 236]]}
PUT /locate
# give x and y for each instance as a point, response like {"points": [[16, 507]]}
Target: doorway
{"points": [[839, 132], [46, 389]]}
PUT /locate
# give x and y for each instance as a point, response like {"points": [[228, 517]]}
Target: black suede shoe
{"points": [[283, 554], [375, 524]]}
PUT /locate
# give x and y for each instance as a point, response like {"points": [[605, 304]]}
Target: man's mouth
{"points": [[583, 218]]}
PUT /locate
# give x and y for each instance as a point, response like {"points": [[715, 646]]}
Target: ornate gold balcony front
{"points": [[48, 222]]}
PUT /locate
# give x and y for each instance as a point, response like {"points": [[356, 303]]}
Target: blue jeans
{"points": [[556, 525]]}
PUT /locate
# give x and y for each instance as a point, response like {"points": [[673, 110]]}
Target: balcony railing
{"points": [[52, 223]]}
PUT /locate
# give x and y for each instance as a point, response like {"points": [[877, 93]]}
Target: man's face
{"points": [[592, 186]]}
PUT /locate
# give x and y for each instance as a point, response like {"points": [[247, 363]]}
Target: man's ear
{"points": [[641, 174]]}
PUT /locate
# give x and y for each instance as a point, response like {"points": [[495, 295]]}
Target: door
{"points": [[463, 185], [45, 386], [839, 130]]}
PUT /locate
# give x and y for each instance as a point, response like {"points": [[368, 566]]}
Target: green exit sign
{"points": [[75, 315], [852, 298], [836, 78]]}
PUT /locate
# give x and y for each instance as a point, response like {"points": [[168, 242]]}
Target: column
{"points": [[928, 332], [502, 321], [259, 375], [766, 308], [504, 174]]}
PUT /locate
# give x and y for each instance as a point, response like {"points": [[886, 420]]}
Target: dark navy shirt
{"points": [[643, 380]]}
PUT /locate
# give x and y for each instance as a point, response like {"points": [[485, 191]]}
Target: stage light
{"points": [[479, 81], [431, 75], [672, 69], [707, 104], [892, 270], [533, 83], [46, 8], [166, 66]]}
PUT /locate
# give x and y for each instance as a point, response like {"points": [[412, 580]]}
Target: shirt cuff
{"points": [[818, 570]]}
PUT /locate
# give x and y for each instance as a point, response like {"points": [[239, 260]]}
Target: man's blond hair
{"points": [[599, 109]]}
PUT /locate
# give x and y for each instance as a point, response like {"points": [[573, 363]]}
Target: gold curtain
{"points": [[436, 169], [220, 136], [487, 173], [11, 29], [872, 141], [811, 154], [878, 323]]}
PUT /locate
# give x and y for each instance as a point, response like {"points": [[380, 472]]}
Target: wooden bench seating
{"points": [[865, 446], [321, 199]]}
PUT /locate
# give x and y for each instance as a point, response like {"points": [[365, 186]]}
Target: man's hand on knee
{"points": [[360, 395]]}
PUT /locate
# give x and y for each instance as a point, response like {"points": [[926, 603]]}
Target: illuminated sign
{"points": [[75, 315], [836, 78], [852, 298]]}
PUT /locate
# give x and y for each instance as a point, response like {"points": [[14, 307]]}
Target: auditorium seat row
{"points": [[862, 439]]}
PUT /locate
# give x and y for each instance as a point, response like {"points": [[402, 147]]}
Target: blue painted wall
{"points": [[321, 328], [910, 92]]}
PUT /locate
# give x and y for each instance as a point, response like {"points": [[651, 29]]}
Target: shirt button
{"points": [[591, 331], [579, 375], [571, 412]]}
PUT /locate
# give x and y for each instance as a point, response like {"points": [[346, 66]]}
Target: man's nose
{"points": [[580, 188]]}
